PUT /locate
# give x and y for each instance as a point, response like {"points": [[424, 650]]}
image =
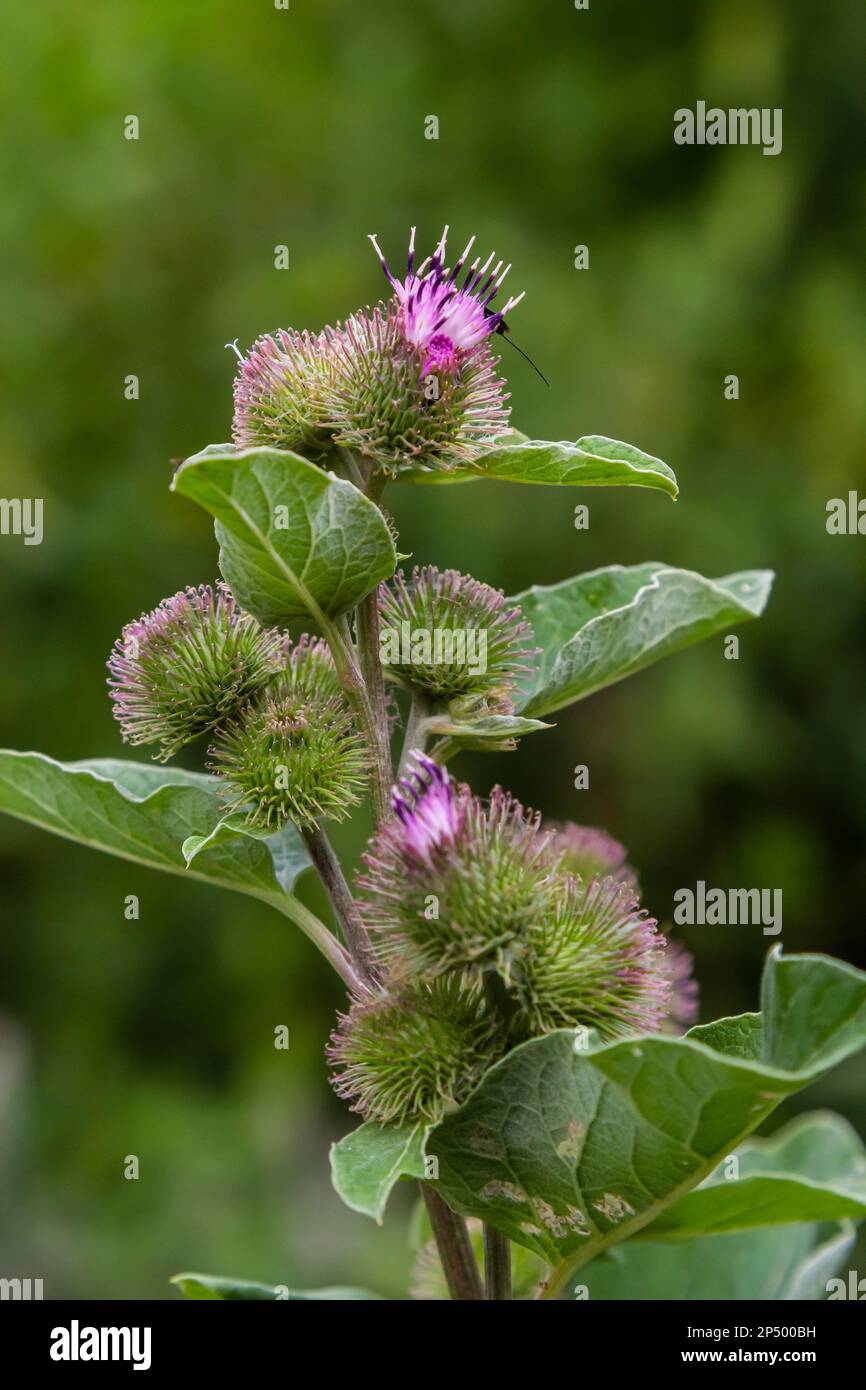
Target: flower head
{"points": [[388, 402], [597, 961], [414, 1054], [278, 393], [295, 755], [587, 852], [450, 636], [429, 809], [187, 666], [683, 1007], [452, 884], [441, 317], [412, 383]]}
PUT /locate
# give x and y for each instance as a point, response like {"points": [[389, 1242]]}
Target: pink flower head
{"points": [[589, 852], [683, 1009], [429, 808], [441, 317]]}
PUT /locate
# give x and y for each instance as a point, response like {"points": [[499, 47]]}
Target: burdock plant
{"points": [[513, 1036]]}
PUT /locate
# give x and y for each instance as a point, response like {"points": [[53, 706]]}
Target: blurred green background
{"points": [[305, 127]]}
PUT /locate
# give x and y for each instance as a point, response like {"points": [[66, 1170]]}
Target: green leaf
{"points": [[488, 732], [593, 461], [369, 1161], [294, 539], [211, 1286], [459, 473], [569, 1152], [287, 849], [812, 1170], [788, 1262], [145, 813], [602, 626]]}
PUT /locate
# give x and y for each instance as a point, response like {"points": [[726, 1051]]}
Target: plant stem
{"points": [[367, 633], [375, 714], [374, 729], [444, 749], [415, 736], [455, 1248], [345, 910], [333, 950], [497, 1265], [553, 1286]]}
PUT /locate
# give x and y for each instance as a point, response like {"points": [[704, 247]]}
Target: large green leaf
{"points": [[599, 627], [812, 1170], [570, 1150], [369, 1161], [593, 461], [201, 1287], [294, 539], [787, 1262], [146, 813]]}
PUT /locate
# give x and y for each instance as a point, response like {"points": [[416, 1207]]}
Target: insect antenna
{"points": [[503, 329]]}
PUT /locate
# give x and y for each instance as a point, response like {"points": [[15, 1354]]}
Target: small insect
{"points": [[504, 329]]}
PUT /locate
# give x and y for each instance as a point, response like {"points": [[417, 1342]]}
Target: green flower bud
{"points": [[188, 666], [453, 639], [415, 1055], [278, 393], [295, 755], [598, 961]]}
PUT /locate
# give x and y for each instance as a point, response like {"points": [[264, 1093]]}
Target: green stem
{"points": [[354, 686], [374, 714], [455, 1248], [367, 631], [415, 736], [497, 1265], [339, 639], [445, 749], [333, 950], [345, 909], [556, 1282]]}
